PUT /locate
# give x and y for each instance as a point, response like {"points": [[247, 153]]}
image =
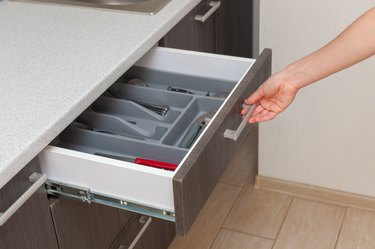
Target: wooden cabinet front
{"points": [[194, 35], [227, 31], [31, 226], [81, 225]]}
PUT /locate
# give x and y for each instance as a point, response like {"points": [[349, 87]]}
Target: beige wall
{"points": [[327, 137]]}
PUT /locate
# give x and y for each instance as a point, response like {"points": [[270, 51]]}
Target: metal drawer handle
{"points": [[235, 134], [140, 233], [214, 6], [38, 180]]}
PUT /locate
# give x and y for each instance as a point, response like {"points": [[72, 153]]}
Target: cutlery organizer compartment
{"points": [[188, 84], [150, 95], [124, 122], [116, 147], [192, 123]]}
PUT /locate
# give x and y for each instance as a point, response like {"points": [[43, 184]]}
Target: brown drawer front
{"points": [[30, 227], [143, 232], [198, 175], [18, 185]]}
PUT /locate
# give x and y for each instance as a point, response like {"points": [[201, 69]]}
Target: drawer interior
{"points": [[147, 114], [156, 111]]}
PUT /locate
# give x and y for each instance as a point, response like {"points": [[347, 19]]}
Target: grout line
{"points": [[216, 236], [244, 186], [243, 189], [251, 234], [342, 224], [306, 198], [229, 211], [282, 223]]}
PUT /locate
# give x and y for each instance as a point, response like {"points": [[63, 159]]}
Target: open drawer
{"points": [[94, 158]]}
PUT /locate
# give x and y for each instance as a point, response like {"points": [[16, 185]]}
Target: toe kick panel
{"points": [[154, 143]]}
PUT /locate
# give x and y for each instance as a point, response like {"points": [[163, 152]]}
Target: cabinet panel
{"points": [[228, 31], [31, 226], [234, 28], [191, 34], [80, 225], [158, 236], [143, 232]]}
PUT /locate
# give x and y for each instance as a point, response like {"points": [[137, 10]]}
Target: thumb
{"points": [[255, 97]]}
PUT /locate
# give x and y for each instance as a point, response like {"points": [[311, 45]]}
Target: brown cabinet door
{"points": [[228, 31], [31, 226], [234, 28], [143, 232], [193, 35], [81, 225]]}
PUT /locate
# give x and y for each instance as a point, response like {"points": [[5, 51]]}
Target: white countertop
{"points": [[56, 60]]}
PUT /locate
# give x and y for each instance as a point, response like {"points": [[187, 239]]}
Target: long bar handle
{"points": [[214, 6], [38, 180], [235, 134]]}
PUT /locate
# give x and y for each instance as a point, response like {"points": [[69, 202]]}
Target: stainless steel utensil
{"points": [[195, 129], [161, 110]]}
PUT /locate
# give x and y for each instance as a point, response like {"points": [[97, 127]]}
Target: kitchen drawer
{"points": [[93, 159]]}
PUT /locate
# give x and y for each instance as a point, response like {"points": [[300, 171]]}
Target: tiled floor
{"points": [[237, 216]]}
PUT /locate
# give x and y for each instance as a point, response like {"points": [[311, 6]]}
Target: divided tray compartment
{"points": [[201, 110], [118, 125], [150, 95], [199, 86], [116, 147]]}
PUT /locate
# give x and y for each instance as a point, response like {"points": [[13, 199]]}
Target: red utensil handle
{"points": [[156, 164]]}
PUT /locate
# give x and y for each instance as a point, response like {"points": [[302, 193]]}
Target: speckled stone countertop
{"points": [[56, 60]]}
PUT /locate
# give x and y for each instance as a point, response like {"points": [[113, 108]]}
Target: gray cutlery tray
{"points": [[117, 125]]}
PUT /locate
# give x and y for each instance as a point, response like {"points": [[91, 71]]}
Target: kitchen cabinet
{"points": [[102, 163], [30, 227], [228, 30]]}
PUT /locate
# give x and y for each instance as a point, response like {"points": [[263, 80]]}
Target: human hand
{"points": [[271, 98]]}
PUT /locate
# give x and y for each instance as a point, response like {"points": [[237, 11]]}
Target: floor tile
{"points": [[310, 225], [205, 228], [241, 166], [258, 212], [234, 240], [357, 230]]}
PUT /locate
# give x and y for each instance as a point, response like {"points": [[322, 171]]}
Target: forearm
{"points": [[353, 45]]}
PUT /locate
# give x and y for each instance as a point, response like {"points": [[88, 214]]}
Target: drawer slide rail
{"points": [[84, 194]]}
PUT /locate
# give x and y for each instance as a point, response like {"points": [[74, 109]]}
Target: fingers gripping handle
{"points": [[235, 134]]}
